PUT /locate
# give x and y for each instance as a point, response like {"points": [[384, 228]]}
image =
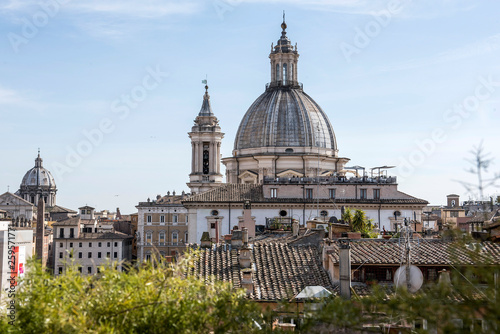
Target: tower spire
{"points": [[206, 108]]}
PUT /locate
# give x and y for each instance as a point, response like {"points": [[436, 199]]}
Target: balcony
{"points": [[289, 84], [328, 180]]}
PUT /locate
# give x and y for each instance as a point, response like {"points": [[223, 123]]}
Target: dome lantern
{"points": [[284, 58]]}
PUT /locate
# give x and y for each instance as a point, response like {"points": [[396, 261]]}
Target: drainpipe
{"points": [[276, 166]]}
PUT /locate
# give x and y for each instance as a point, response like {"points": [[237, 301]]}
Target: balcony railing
{"points": [[331, 180]]}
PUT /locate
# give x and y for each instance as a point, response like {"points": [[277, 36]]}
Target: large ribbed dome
{"points": [[285, 117], [38, 176]]}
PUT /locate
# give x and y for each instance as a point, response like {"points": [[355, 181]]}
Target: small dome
{"points": [[285, 117], [38, 176]]}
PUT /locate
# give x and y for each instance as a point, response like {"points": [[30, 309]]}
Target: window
{"points": [[80, 255], [186, 237], [277, 72], [431, 274], [60, 270], [376, 193], [215, 213], [115, 255], [362, 193], [454, 214], [206, 158], [116, 244], [70, 254], [175, 218], [108, 255], [149, 238], [90, 255], [71, 232], [274, 192], [71, 245], [79, 244], [90, 244], [83, 212], [331, 193], [100, 244], [148, 257], [175, 238], [285, 73], [89, 270], [61, 232], [162, 218], [80, 269], [309, 193], [109, 244], [60, 244], [149, 219], [162, 238], [60, 255], [99, 255]]}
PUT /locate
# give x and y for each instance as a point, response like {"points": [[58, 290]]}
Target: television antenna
{"points": [[408, 276]]}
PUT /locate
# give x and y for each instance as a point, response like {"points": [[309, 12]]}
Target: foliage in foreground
{"points": [[154, 299]]}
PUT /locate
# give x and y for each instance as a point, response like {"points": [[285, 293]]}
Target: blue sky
{"points": [[414, 84]]}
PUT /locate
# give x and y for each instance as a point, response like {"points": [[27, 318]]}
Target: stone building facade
{"points": [[89, 243], [162, 227]]}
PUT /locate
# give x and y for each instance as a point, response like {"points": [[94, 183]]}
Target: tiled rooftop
{"points": [[254, 193], [423, 252], [281, 270]]}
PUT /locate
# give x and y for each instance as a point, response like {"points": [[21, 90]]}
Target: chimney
{"points": [[40, 231], [345, 268], [205, 240], [295, 228], [444, 278], [247, 280], [245, 261], [237, 239]]}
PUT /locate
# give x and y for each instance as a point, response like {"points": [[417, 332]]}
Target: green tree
{"points": [[158, 298], [359, 222]]}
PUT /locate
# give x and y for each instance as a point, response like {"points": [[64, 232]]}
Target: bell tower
{"points": [[206, 137]]}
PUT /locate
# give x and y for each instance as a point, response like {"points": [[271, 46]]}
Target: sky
{"points": [[108, 90]]}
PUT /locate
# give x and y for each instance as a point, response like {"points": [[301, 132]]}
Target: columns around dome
{"points": [[206, 137]]}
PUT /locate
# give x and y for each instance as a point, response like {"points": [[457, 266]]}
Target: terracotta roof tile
{"points": [[423, 252], [281, 270]]}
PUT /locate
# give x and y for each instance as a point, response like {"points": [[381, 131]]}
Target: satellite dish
{"points": [[334, 220], [416, 278]]}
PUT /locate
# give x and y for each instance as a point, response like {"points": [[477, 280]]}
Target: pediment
{"points": [[248, 176], [12, 199], [289, 173]]}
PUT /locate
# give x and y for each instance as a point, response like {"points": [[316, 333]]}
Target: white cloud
{"points": [[142, 9], [9, 96]]}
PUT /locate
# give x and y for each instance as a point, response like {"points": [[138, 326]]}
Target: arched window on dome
{"points": [[292, 69], [285, 74], [277, 72]]}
